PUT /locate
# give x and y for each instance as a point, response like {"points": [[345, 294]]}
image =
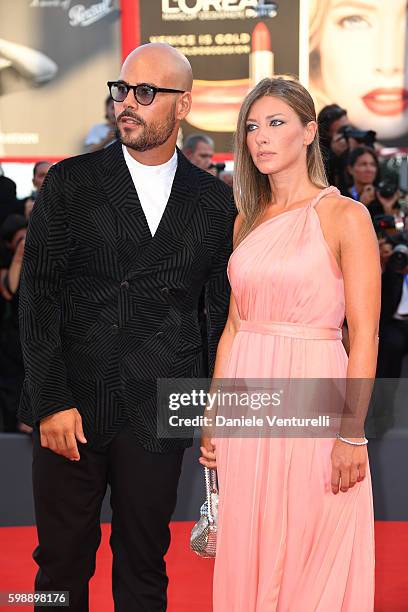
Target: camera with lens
{"points": [[366, 137], [384, 222], [218, 167], [387, 189], [398, 260]]}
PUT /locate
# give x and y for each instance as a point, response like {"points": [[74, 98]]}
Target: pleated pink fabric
{"points": [[286, 543]]}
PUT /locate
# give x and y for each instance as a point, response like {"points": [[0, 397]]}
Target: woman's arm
{"points": [[15, 267], [4, 291], [226, 339], [360, 264], [223, 352]]}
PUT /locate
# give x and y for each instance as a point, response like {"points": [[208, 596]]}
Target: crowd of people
{"points": [[353, 164], [14, 219]]}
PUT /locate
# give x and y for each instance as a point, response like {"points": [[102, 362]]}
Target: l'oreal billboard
{"points": [[349, 52]]}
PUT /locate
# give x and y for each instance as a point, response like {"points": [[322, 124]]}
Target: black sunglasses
{"points": [[143, 92]]}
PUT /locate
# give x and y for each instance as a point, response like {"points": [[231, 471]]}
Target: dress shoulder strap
{"points": [[327, 191]]}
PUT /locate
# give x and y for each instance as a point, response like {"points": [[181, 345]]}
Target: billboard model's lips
{"points": [[216, 104], [387, 101]]}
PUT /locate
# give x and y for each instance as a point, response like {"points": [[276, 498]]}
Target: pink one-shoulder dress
{"points": [[286, 543]]}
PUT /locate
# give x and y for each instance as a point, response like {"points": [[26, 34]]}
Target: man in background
{"points": [[102, 134], [39, 173], [199, 149], [334, 145]]}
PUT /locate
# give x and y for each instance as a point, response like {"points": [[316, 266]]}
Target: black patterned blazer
{"points": [[105, 308]]}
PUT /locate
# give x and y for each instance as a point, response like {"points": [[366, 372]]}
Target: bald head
{"points": [[149, 128], [165, 65]]}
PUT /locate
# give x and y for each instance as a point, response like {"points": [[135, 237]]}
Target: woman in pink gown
{"points": [[296, 525]]}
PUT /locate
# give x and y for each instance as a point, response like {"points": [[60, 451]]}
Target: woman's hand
{"points": [[208, 455], [15, 267], [349, 464], [19, 253]]}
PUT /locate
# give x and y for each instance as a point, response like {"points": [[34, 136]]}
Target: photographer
{"points": [[216, 169], [334, 146], [386, 203], [337, 139], [386, 247], [364, 169], [393, 344], [12, 233]]}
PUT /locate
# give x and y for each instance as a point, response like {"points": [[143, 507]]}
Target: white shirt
{"points": [[402, 310], [153, 185]]}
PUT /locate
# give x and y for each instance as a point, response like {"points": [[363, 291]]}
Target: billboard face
{"points": [[230, 48], [358, 59], [55, 59]]}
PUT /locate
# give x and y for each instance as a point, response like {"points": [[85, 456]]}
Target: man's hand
{"points": [[367, 195], [60, 431], [338, 144], [389, 203]]}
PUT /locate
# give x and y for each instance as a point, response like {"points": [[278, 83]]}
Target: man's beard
{"points": [[151, 136]]}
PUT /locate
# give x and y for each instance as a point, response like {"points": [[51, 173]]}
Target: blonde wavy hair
{"points": [[252, 190]]}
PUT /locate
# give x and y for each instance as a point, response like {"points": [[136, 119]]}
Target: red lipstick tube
{"points": [[261, 60]]}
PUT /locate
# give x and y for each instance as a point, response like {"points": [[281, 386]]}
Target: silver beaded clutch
{"points": [[203, 540]]}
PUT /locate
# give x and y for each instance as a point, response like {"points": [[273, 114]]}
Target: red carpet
{"points": [[190, 576]]}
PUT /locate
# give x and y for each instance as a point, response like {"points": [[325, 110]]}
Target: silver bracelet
{"points": [[350, 442]]}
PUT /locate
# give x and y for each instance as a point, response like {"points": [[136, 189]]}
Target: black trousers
{"points": [[68, 496], [393, 347]]}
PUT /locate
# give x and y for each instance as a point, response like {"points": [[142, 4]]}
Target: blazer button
{"points": [[159, 334], [124, 284], [115, 327], [165, 291]]}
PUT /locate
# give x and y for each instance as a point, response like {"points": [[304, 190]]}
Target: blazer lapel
{"points": [[132, 228], [137, 248], [182, 202]]}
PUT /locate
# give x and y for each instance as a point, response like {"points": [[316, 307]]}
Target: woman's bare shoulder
{"points": [[346, 209]]}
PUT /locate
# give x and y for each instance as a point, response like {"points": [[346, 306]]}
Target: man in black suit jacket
{"points": [[105, 310]]}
